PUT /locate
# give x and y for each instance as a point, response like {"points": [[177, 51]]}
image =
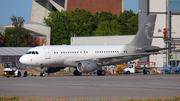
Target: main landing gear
{"points": [[42, 72], [77, 73], [101, 72]]}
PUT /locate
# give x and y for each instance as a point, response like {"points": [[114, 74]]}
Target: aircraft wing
{"points": [[158, 49], [129, 55], [106, 59]]}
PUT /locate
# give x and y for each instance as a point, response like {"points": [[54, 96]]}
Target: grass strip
{"points": [[50, 99]]}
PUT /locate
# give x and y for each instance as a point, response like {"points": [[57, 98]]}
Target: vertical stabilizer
{"points": [[145, 33]]}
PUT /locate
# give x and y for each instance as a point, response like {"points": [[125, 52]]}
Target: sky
{"points": [[22, 8]]}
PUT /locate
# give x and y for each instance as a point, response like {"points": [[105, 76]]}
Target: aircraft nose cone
{"points": [[22, 60]]}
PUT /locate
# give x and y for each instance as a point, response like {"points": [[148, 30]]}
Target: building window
{"points": [[174, 5]]}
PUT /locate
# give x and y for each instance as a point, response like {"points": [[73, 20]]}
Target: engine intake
{"points": [[86, 66]]}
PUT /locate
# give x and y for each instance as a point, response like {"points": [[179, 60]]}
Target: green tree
{"points": [[133, 24], [127, 18], [108, 28], [107, 24], [82, 22], [1, 40], [17, 36], [60, 24], [64, 24]]}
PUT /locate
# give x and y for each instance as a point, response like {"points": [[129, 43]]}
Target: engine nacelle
{"points": [[53, 69], [86, 66]]}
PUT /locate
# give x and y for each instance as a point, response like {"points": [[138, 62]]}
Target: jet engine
{"points": [[86, 66], [53, 69]]}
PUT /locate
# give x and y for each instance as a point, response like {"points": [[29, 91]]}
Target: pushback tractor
{"points": [[10, 69]]}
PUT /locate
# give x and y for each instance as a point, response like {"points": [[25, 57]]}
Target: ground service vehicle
{"points": [[10, 69], [133, 69]]}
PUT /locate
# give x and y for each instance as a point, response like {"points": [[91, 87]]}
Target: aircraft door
{"points": [[47, 53]]}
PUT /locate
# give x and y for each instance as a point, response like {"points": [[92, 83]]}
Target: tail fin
{"points": [[145, 33]]}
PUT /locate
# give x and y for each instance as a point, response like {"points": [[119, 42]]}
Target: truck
{"points": [[133, 69], [10, 69]]}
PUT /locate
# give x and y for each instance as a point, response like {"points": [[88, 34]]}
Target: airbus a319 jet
{"points": [[88, 58]]}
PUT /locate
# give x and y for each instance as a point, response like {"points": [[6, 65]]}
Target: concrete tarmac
{"points": [[67, 86]]}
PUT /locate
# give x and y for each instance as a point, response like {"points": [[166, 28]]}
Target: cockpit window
{"points": [[32, 52]]}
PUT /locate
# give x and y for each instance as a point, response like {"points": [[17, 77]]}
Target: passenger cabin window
{"points": [[55, 52]]}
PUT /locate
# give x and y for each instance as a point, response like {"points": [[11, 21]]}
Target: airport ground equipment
{"points": [[120, 68], [133, 69], [137, 67], [172, 69], [10, 69], [147, 64]]}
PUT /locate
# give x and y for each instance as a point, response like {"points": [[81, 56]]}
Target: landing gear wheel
{"points": [[98, 72], [42, 74], [77, 73], [101, 72]]}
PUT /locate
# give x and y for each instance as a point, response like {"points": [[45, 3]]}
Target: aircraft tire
{"points": [[77, 73], [41, 74], [101, 72], [98, 72]]}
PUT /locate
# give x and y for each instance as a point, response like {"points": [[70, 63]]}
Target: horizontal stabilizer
{"points": [[158, 49]]}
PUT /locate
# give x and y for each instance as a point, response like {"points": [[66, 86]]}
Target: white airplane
{"points": [[87, 58]]}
